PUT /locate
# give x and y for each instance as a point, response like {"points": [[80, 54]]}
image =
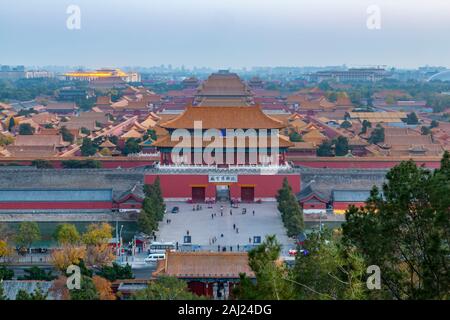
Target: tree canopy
{"points": [[405, 231]]}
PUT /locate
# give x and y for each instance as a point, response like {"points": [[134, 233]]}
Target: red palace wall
{"points": [[35, 205], [297, 159], [358, 164], [346, 205], [314, 205], [180, 186]]}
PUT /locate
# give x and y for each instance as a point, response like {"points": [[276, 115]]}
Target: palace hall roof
{"points": [[204, 265], [188, 143], [235, 117]]}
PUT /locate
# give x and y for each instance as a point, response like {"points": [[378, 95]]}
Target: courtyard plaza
{"points": [[203, 227]]}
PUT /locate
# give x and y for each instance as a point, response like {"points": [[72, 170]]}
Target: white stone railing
{"points": [[143, 155], [216, 168]]}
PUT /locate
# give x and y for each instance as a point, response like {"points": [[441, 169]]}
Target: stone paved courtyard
{"points": [[202, 227]]}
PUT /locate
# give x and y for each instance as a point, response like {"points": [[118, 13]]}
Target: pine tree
{"points": [[291, 213], [405, 231]]}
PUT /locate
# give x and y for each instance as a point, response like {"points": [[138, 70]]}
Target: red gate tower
{"points": [[222, 149]]}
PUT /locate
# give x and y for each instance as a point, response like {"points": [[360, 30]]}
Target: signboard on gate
{"points": [[221, 178]]}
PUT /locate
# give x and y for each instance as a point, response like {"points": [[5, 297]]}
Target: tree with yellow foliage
{"points": [[67, 234], [96, 238], [67, 255], [5, 250], [97, 233], [103, 288]]}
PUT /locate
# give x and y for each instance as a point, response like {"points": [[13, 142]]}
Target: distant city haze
{"points": [[225, 34]]}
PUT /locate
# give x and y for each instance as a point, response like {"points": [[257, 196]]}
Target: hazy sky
{"points": [[225, 33]]}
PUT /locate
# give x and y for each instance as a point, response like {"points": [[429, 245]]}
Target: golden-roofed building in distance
{"points": [[91, 75]]}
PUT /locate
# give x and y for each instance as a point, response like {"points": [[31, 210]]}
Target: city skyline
{"points": [[223, 35]]}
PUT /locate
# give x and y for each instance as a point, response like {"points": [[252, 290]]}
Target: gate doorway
{"points": [[222, 193], [198, 194], [247, 194]]}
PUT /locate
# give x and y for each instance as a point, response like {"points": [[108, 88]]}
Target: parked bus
{"points": [[161, 247]]}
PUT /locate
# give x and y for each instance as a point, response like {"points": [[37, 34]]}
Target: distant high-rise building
{"points": [[350, 75], [12, 73]]}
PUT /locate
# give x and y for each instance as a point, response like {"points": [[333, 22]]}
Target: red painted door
{"points": [[247, 194], [198, 194]]}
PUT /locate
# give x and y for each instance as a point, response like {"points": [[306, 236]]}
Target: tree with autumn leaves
{"points": [[89, 250]]}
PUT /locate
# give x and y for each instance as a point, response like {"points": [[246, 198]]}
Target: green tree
{"points": [[152, 134], [332, 96], [341, 146], [5, 273], [346, 124], [325, 149], [11, 124], [25, 129], [153, 208], [83, 130], [66, 134], [425, 130], [88, 148], [272, 277], [38, 294], [27, 234], [36, 273], [411, 118], [116, 272], [434, 124], [87, 290], [146, 221], [131, 146], [377, 135], [365, 125], [295, 137], [405, 231], [329, 270], [291, 213], [166, 288], [67, 234], [324, 86]]}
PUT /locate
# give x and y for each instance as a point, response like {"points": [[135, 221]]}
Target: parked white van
{"points": [[155, 257]]}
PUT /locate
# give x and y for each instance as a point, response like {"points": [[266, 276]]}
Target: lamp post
{"points": [[120, 240]]}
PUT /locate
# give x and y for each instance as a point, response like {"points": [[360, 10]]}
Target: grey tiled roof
{"points": [[12, 287], [351, 195], [27, 195]]}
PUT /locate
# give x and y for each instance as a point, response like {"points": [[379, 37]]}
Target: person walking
{"points": [[253, 212], [249, 240], [238, 247], [234, 226], [187, 232], [237, 230]]}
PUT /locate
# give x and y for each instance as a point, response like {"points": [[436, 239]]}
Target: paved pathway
{"points": [[202, 227]]}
